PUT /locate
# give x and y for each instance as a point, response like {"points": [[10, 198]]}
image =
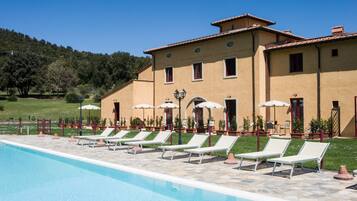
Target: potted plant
{"points": [[189, 125], [246, 125], [260, 125], [298, 129], [178, 124], [233, 129], [160, 123], [221, 127]]}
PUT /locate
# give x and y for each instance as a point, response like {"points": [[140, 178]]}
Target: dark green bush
{"points": [[72, 97], [2, 108]]}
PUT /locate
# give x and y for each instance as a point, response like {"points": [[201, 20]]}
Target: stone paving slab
{"points": [[306, 185]]}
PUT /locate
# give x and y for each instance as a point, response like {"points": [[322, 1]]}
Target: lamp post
{"points": [[80, 115], [179, 95]]}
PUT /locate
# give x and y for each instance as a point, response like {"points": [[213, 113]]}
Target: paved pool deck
{"points": [[306, 185]]}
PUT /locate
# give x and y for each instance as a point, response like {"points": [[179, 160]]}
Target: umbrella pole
{"points": [[274, 114], [143, 114], [209, 128]]}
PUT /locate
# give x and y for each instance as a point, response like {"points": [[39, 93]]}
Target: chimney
{"points": [[337, 30], [288, 31]]}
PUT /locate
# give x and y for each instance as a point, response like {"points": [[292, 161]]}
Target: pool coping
{"points": [[154, 175]]}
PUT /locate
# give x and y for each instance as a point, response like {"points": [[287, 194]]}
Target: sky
{"points": [[107, 26]]}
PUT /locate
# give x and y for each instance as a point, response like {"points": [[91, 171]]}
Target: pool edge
{"points": [[154, 175]]}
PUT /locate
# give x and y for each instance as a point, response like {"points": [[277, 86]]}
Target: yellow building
{"points": [[242, 66]]}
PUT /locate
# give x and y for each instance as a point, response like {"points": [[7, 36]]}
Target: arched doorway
{"points": [[197, 113]]}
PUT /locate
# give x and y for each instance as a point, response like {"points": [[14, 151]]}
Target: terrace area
{"points": [[305, 185]]}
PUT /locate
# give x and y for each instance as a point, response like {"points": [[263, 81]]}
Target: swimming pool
{"points": [[29, 173]]}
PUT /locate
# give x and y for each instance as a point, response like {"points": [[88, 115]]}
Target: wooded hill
{"points": [[28, 65]]}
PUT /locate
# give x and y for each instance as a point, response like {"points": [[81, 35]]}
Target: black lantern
{"points": [[179, 95]]}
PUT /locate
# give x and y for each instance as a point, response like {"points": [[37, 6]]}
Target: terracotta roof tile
{"points": [[221, 35], [312, 41], [216, 23]]}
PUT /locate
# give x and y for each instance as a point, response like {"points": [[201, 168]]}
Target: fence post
{"points": [[258, 139]]}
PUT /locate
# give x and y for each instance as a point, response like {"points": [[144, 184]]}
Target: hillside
{"points": [[87, 69]]}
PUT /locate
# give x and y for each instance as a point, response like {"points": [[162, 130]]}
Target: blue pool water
{"points": [[29, 175]]}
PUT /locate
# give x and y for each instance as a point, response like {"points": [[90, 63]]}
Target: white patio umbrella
{"points": [[143, 107], [209, 105], [168, 105], [89, 108], [274, 103]]}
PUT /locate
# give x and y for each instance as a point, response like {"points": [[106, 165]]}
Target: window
{"points": [[296, 64], [334, 52], [169, 76], [197, 71], [230, 67]]}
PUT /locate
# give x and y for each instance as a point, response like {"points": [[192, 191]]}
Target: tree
{"points": [[60, 76], [23, 71]]}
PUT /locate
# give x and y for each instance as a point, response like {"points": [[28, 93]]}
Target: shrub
{"points": [[72, 97], [327, 125], [234, 125], [246, 123], [137, 122], [221, 125], [315, 125], [189, 122], [298, 126], [152, 121], [12, 98], [260, 122], [160, 121], [2, 108]]}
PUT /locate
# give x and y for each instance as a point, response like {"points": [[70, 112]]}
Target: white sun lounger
{"points": [[93, 141], [114, 144], [195, 142], [159, 139], [105, 133], [274, 148], [224, 144], [310, 151]]}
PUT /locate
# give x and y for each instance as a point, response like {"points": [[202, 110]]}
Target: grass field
{"points": [[41, 108]]}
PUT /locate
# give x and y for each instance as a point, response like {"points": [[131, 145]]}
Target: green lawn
{"points": [[41, 108], [341, 151]]}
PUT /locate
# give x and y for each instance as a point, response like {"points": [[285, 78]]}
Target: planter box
{"points": [[297, 135], [221, 132], [315, 136], [233, 133], [122, 127], [190, 130]]}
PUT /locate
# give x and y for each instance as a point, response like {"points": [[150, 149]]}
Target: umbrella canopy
{"points": [[209, 105], [275, 103], [89, 107], [168, 106], [143, 106]]}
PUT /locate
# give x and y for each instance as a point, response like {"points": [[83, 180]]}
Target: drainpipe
{"points": [[153, 98], [318, 84], [253, 77]]}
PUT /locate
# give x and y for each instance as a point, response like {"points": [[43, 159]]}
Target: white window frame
{"points": [[193, 72], [224, 68], [173, 78]]}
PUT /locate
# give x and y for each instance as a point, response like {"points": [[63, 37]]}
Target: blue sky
{"points": [[107, 26]]}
